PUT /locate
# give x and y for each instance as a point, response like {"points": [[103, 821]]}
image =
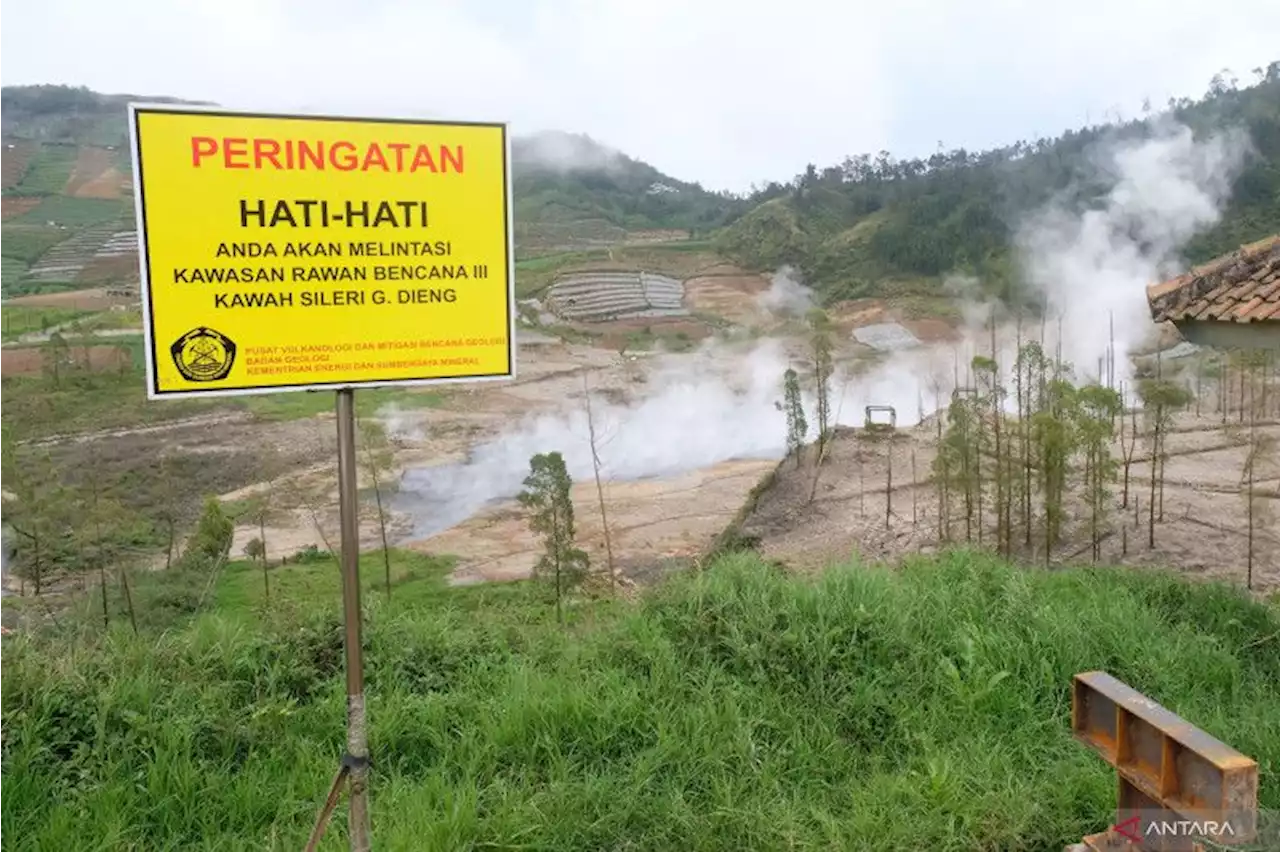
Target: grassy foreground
{"points": [[922, 708]]}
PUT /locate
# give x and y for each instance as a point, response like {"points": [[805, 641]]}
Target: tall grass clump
{"points": [[924, 707]]}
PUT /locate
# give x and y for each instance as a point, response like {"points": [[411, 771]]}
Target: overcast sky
{"points": [[726, 92]]}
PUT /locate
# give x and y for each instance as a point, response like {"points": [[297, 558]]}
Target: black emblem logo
{"points": [[203, 355]]}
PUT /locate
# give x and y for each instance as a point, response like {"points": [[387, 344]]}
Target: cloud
{"points": [[725, 93]]}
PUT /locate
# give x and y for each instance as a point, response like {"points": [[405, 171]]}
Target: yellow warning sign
{"points": [[285, 252]]}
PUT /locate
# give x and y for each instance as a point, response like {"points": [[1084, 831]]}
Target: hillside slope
{"points": [[67, 180], [861, 226], [734, 708]]}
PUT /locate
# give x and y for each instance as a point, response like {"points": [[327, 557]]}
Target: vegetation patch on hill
{"points": [[28, 243], [48, 172], [870, 218]]}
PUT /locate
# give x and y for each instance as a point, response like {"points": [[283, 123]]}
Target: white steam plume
{"points": [[704, 409], [719, 405], [1097, 264], [786, 295]]}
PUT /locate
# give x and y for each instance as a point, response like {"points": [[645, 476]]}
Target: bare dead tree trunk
{"points": [[1111, 352], [97, 537], [168, 553], [862, 484], [914, 515], [373, 469], [128, 600], [314, 514], [102, 584], [1264, 372], [1095, 499], [888, 481], [1253, 458], [1058, 347], [262, 537], [39, 568], [1224, 389], [1199, 382], [1127, 450], [1160, 433], [1243, 370], [977, 468], [995, 425], [595, 464], [382, 530], [1155, 466]]}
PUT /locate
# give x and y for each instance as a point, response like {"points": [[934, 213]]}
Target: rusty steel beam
{"points": [[1164, 763]]}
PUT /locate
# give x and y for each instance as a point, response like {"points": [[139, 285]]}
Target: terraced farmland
{"points": [[606, 296], [540, 237], [66, 260], [75, 212]]}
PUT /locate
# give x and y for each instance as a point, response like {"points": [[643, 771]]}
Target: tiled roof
{"points": [[1243, 286]]}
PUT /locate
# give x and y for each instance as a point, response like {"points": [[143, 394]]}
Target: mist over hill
{"points": [[567, 187], [871, 225], [874, 224]]}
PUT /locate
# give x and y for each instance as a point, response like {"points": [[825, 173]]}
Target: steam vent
{"points": [[1233, 301], [605, 296]]}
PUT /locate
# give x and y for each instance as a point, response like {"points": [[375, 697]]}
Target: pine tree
{"points": [[547, 495], [797, 425], [1054, 430], [1160, 399], [820, 341], [1096, 416]]}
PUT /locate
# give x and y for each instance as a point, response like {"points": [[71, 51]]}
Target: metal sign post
{"points": [[329, 253], [353, 770], [357, 756]]}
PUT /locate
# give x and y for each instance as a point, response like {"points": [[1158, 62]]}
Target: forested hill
{"points": [[569, 190], [876, 225]]}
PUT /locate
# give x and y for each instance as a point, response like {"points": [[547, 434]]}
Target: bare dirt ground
{"points": [[95, 175], [728, 292], [100, 269], [306, 499], [856, 313], [11, 207], [92, 299], [640, 238], [619, 333], [1204, 530], [30, 361], [650, 520]]}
